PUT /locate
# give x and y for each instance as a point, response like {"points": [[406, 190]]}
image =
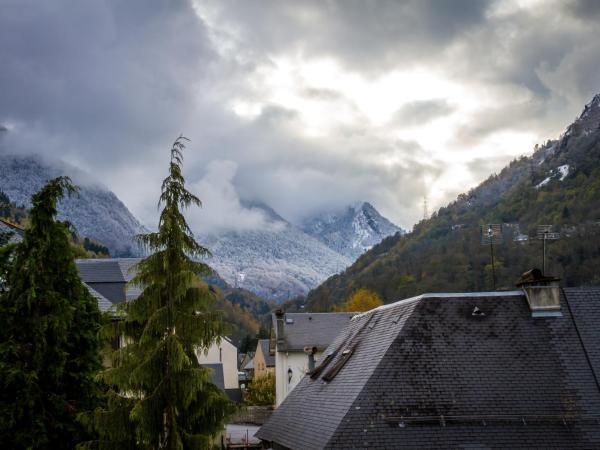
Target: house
{"points": [[298, 341], [264, 361], [224, 355], [107, 280], [517, 369], [109, 277]]}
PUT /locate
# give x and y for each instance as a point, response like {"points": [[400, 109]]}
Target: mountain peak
{"points": [[352, 230], [588, 121]]}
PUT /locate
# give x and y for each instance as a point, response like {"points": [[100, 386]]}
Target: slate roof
{"points": [[103, 303], [109, 276], [310, 329], [16, 233], [216, 374], [427, 372], [264, 346]]}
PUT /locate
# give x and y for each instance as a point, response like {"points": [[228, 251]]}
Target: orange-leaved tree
{"points": [[363, 300]]}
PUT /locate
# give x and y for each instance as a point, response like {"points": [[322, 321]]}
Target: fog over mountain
{"points": [[94, 211]]}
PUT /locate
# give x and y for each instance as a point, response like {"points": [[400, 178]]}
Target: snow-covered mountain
{"points": [[279, 261], [283, 260], [351, 231], [95, 211]]}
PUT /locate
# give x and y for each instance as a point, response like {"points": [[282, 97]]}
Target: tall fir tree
{"points": [[48, 335], [162, 397]]}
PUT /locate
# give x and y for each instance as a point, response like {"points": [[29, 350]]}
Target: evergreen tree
{"points": [[48, 335], [163, 398]]}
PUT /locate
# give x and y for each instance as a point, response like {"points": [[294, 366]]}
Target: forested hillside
{"points": [[558, 185]]}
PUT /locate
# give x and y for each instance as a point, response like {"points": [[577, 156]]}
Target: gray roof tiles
{"points": [[264, 346], [216, 374], [424, 359], [103, 303], [110, 277], [109, 270], [311, 329]]}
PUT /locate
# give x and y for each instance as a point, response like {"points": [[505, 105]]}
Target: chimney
{"points": [[279, 328], [542, 292]]}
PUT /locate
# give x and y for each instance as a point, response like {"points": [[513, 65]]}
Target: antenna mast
{"points": [[545, 233], [492, 234], [425, 210]]}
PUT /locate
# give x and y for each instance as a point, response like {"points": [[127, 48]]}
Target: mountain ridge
{"points": [[559, 184], [94, 210]]}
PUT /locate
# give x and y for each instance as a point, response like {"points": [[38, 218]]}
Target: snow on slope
{"points": [[560, 172], [279, 263], [352, 230], [283, 261], [95, 212]]}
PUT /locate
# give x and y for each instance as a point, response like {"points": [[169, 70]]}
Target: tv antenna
{"points": [[545, 233], [492, 234]]}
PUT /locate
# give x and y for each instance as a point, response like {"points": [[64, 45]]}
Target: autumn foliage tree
{"points": [[363, 300], [261, 392]]}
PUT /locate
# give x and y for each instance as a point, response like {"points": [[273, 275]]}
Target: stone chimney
{"points": [[542, 292]]}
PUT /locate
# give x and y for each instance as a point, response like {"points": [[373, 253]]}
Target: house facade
{"points": [[298, 341], [502, 370], [264, 361], [224, 353]]}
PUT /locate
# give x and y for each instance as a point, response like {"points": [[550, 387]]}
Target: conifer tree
{"points": [[163, 398], [48, 335]]}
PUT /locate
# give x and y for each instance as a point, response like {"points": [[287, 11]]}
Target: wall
{"points": [[260, 367], [226, 353], [298, 362]]}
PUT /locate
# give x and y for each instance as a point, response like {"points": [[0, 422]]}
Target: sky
{"points": [[306, 106]]}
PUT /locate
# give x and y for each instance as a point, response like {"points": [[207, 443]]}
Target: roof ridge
{"points": [[443, 295]]}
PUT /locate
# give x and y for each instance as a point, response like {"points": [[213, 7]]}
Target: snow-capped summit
{"points": [[352, 230], [278, 261]]}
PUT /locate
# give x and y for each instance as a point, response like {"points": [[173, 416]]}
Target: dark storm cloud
{"points": [[107, 85], [587, 10], [368, 35], [421, 112], [97, 77]]}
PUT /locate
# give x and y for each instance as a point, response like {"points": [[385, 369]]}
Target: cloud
{"points": [[304, 106], [222, 208], [422, 111]]}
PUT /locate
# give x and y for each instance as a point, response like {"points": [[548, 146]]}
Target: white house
{"points": [[298, 341], [224, 353]]}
